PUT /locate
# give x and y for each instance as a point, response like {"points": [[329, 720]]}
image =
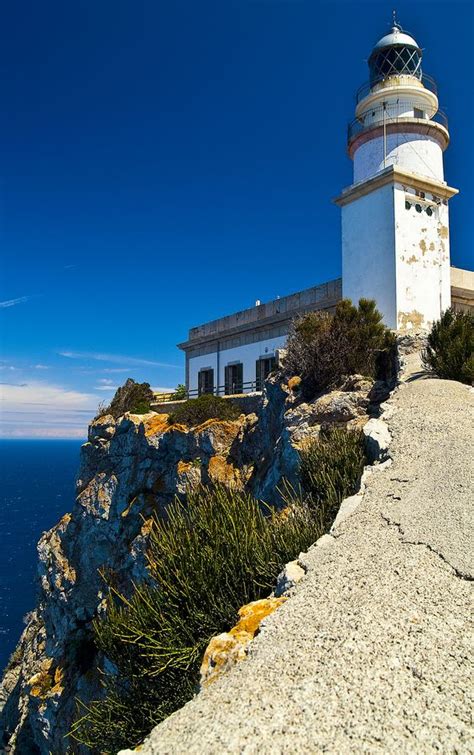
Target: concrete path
{"points": [[372, 653]]}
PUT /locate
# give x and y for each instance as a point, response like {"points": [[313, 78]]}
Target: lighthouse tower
{"points": [[395, 227]]}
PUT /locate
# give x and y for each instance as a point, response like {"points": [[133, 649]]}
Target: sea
{"points": [[37, 480]]}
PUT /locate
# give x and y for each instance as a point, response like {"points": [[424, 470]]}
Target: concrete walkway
{"points": [[372, 653]]}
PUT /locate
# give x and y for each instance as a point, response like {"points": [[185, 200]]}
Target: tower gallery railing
{"points": [[427, 81], [407, 111]]}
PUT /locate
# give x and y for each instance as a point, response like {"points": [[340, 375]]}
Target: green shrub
{"points": [[331, 467], [450, 347], [324, 348], [180, 392], [198, 410], [130, 397], [208, 557]]}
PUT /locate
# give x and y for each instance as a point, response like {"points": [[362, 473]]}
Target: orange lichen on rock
{"points": [[220, 470], [156, 424], [294, 383], [183, 467], [46, 683], [228, 648], [225, 425], [42, 682]]}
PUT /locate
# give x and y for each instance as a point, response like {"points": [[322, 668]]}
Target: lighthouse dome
{"points": [[395, 54]]}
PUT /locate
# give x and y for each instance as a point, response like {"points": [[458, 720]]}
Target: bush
{"points": [[331, 468], [324, 348], [198, 410], [209, 556], [450, 347], [131, 397], [180, 392]]}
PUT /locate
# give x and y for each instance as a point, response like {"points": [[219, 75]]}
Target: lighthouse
{"points": [[395, 215]]}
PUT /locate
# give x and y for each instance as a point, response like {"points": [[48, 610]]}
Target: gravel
{"points": [[372, 652]]}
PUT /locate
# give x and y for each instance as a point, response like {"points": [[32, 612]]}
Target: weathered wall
{"points": [[368, 251], [422, 254], [415, 152]]}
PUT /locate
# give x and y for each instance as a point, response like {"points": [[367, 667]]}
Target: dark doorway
{"points": [[234, 378], [264, 366], [205, 382]]}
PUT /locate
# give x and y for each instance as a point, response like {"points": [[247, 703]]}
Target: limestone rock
{"points": [[288, 578], [339, 406], [228, 648], [377, 438]]}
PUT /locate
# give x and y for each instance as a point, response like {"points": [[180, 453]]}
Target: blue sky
{"points": [[164, 163]]}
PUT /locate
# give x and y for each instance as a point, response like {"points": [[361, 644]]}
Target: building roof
{"points": [[396, 37]]}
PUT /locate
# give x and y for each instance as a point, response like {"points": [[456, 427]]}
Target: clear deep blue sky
{"points": [[164, 163]]}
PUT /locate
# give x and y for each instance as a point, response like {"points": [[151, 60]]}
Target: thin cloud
{"points": [[43, 409], [41, 367], [113, 358], [16, 385], [13, 302]]}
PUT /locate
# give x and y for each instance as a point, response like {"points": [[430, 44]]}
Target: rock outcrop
{"points": [[131, 468], [372, 653]]}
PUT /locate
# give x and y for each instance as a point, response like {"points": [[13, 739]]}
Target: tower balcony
{"points": [[383, 82], [397, 117]]}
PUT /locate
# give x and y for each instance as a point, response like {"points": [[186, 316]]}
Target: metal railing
{"points": [[229, 389], [427, 81], [378, 116]]}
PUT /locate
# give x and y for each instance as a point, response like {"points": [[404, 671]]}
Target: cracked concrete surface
{"points": [[372, 653]]}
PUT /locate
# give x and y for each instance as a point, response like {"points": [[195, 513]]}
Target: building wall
{"points": [[415, 152], [368, 251], [462, 289], [247, 354], [422, 254]]}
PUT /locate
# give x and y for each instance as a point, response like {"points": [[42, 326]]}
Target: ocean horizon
{"points": [[37, 488]]}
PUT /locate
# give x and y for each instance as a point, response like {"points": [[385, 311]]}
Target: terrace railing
{"points": [[232, 389]]}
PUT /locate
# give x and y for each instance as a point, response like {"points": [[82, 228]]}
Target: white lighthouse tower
{"points": [[395, 227]]}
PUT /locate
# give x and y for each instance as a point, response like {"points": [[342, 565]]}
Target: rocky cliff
{"points": [[372, 652], [131, 468]]}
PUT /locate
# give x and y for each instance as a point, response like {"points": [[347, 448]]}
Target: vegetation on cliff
{"points": [[449, 351], [211, 554], [324, 348], [195, 411], [131, 397]]}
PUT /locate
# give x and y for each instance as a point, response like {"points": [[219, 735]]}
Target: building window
{"points": [[407, 205], [418, 207], [429, 211], [205, 381], [264, 366], [418, 113], [234, 378]]}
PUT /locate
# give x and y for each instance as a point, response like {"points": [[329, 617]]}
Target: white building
{"points": [[395, 230]]}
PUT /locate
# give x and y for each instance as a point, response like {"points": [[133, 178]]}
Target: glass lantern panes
{"points": [[395, 61]]}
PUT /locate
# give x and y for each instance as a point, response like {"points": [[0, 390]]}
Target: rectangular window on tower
{"points": [[418, 113]]}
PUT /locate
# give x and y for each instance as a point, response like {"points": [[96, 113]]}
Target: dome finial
{"points": [[396, 26]]}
